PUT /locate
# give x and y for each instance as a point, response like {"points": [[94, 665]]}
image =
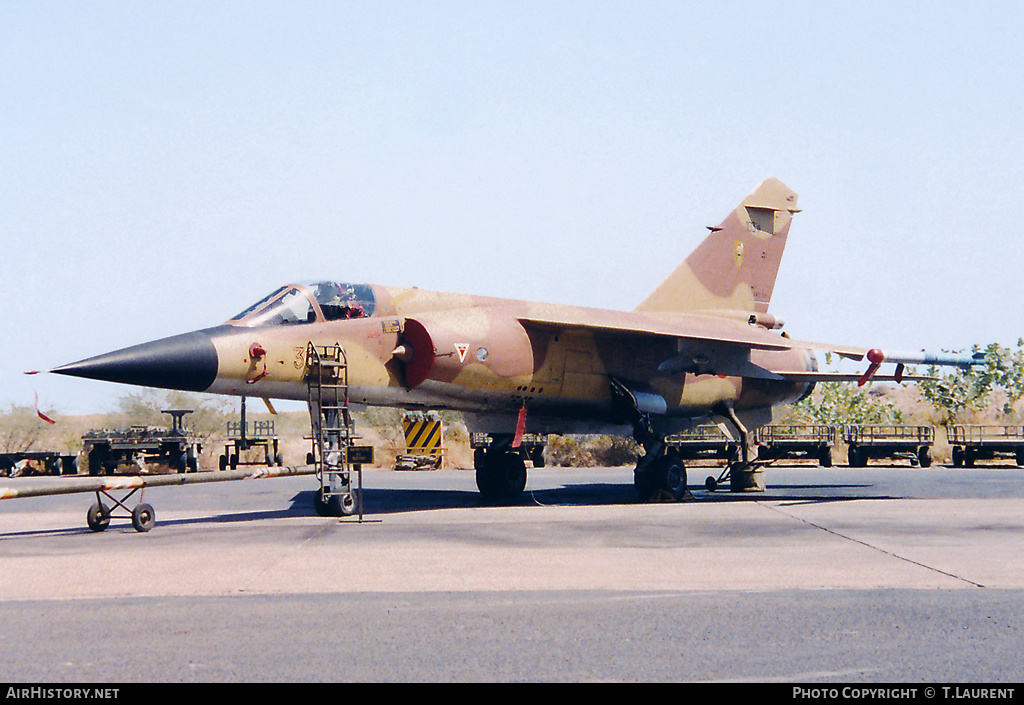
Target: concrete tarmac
{"points": [[883, 574]]}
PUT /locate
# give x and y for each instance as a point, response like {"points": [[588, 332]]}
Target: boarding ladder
{"points": [[332, 431]]}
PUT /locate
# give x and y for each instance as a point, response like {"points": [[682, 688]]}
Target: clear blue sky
{"points": [[165, 164]]}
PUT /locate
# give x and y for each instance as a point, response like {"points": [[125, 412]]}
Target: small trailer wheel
{"points": [[143, 517], [98, 517]]}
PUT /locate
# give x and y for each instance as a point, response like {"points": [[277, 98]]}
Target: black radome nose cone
{"points": [[187, 362]]}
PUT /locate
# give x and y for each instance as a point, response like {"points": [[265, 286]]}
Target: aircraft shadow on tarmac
{"points": [[385, 501], [400, 501]]}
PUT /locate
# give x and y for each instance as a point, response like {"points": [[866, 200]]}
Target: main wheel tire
{"points": [[645, 485], [666, 474], [502, 475], [672, 476]]}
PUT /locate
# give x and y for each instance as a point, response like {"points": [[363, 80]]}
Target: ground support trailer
{"points": [[531, 447], [37, 462], [877, 441], [105, 450], [792, 442], [705, 442], [972, 443], [239, 440]]}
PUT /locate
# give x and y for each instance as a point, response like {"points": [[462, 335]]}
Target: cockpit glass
{"points": [[339, 301], [309, 303], [259, 303], [290, 308]]}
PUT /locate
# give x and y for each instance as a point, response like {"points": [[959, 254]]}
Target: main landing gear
{"points": [[663, 477], [500, 470]]}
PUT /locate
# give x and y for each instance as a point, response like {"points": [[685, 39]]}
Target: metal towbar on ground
{"points": [[144, 514]]}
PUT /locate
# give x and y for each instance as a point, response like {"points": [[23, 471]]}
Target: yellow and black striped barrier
{"points": [[423, 447], [422, 437]]}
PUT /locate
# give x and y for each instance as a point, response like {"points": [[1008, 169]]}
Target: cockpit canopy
{"points": [[309, 302]]}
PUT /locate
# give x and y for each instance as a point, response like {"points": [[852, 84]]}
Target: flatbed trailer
{"points": [[241, 438], [704, 442], [814, 442], [105, 450], [46, 462], [971, 443], [867, 441]]}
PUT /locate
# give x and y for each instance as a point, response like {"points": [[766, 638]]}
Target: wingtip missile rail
{"points": [[876, 357]]}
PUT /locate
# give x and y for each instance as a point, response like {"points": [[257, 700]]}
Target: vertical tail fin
{"points": [[734, 269]]}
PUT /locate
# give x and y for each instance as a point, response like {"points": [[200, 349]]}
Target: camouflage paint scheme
{"points": [[490, 356], [701, 345]]}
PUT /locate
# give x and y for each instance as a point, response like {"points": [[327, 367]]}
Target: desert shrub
{"points": [[591, 451]]}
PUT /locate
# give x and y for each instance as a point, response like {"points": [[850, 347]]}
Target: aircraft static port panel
{"points": [[309, 302]]}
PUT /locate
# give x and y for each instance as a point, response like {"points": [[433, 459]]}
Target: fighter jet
{"points": [[701, 346]]}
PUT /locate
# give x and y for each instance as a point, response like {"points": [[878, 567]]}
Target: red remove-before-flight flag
{"points": [[43, 416]]}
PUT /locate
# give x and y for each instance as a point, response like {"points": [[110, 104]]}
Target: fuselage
{"points": [[411, 348]]}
